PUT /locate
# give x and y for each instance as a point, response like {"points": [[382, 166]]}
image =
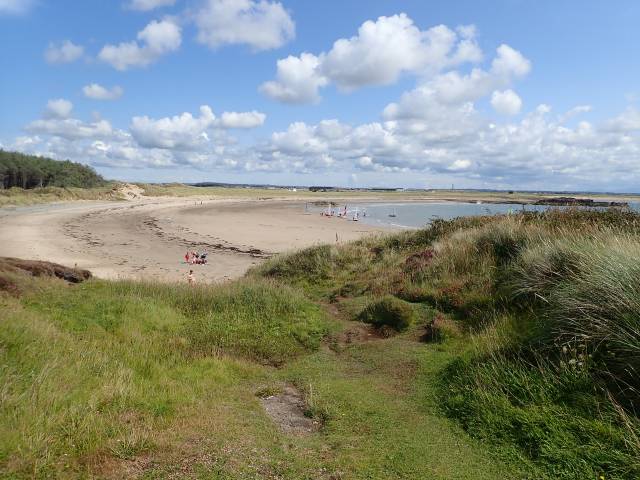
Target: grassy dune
{"points": [[498, 347], [547, 305], [17, 196]]}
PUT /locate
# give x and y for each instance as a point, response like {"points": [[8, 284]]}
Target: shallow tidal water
{"points": [[416, 215]]}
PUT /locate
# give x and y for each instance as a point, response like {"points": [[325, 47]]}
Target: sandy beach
{"points": [[147, 238]]}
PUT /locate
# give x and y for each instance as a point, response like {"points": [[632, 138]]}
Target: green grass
{"points": [[99, 376], [531, 331], [253, 319], [17, 196], [540, 414], [391, 312], [539, 296], [381, 417]]}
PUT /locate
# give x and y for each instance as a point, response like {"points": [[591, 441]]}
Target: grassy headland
{"points": [[521, 331]]}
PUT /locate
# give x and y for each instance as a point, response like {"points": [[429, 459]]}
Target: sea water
{"points": [[415, 215]]}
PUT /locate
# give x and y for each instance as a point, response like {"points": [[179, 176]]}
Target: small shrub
{"points": [[349, 289], [389, 311], [310, 263], [504, 241], [440, 329], [413, 293]]}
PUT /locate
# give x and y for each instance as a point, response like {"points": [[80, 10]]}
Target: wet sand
{"points": [[147, 238]]}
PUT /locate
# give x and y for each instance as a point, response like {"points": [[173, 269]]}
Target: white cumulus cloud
{"points": [[297, 80], [627, 121], [65, 52], [242, 119], [379, 54], [71, 128], [510, 62], [186, 132], [455, 142], [506, 103], [58, 108], [146, 5], [386, 48], [263, 24], [98, 92], [158, 38], [445, 104], [181, 132], [57, 122], [183, 140], [15, 7]]}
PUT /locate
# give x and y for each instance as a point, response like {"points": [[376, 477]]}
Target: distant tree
{"points": [[30, 171]]}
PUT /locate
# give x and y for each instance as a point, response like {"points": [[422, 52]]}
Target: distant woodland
{"points": [[29, 171]]}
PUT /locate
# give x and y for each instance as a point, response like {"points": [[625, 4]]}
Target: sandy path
{"points": [[147, 238]]}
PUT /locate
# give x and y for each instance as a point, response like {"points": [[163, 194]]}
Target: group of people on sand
{"points": [[195, 258], [343, 213]]}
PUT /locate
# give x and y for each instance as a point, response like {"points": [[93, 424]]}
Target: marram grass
{"points": [[536, 361]]}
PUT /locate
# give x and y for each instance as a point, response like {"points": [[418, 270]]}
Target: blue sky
{"points": [[501, 94]]}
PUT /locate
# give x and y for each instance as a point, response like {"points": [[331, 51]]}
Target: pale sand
{"points": [[147, 238]]}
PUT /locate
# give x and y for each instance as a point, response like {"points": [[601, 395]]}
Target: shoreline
{"points": [[147, 238]]}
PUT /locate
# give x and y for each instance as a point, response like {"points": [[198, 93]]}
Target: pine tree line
{"points": [[30, 171]]}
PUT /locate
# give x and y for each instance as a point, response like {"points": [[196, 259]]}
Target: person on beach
{"points": [[186, 257], [191, 278]]}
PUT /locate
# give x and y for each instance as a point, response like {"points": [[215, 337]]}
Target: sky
{"points": [[506, 94]]}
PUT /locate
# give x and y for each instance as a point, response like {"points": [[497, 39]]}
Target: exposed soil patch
{"points": [[360, 333], [115, 468], [354, 332], [287, 410]]}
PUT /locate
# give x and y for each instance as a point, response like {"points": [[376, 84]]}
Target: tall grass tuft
{"points": [[313, 263], [389, 311], [589, 291], [535, 411]]}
